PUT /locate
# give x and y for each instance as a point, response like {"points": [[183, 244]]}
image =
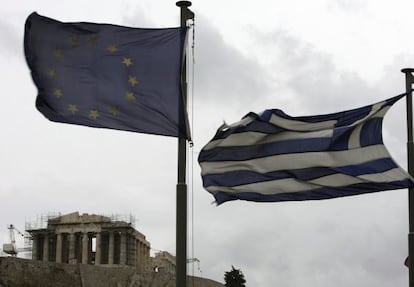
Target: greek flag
{"points": [[276, 157]]}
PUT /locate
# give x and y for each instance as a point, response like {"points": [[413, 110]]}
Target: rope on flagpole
{"points": [[192, 25], [409, 80]]}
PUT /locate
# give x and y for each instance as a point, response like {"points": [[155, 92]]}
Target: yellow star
{"points": [[127, 62], [130, 96], [132, 80], [114, 111], [92, 40], [74, 40], [112, 48], [58, 93], [52, 73], [73, 109], [58, 54], [94, 114]]}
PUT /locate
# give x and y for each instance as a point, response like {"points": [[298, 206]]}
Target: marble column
{"points": [[34, 246], [133, 251], [141, 251], [146, 257], [98, 254], [111, 247], [85, 248], [137, 254], [141, 255], [72, 255], [46, 247], [59, 248], [123, 250]]}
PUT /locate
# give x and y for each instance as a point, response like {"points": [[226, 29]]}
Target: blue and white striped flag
{"points": [[277, 157]]}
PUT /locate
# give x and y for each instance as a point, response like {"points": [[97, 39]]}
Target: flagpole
{"points": [[181, 212], [409, 80]]}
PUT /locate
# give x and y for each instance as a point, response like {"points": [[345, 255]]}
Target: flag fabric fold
{"points": [[108, 76], [276, 157]]}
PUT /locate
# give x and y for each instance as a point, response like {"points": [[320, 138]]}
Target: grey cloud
{"points": [[139, 18], [222, 72], [11, 38], [311, 75], [347, 6], [349, 241]]}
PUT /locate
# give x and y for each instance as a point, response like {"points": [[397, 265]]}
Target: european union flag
{"points": [[108, 76]]}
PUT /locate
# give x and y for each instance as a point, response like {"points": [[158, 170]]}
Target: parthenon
{"points": [[90, 239]]}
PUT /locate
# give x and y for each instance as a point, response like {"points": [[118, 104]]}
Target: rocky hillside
{"points": [[16, 272]]}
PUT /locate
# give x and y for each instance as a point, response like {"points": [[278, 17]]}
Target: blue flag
{"points": [[108, 76], [277, 157]]}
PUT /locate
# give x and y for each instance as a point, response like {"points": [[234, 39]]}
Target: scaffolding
{"points": [[41, 221], [128, 218]]}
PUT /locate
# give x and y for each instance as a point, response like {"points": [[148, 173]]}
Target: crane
{"points": [[10, 248], [192, 260]]}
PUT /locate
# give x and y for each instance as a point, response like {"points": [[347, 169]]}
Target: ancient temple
{"points": [[90, 239], [163, 261]]}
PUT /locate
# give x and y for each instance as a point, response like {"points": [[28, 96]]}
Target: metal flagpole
{"points": [[181, 212], [409, 80]]}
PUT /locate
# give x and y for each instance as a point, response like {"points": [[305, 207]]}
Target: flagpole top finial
{"points": [[183, 3], [407, 70]]}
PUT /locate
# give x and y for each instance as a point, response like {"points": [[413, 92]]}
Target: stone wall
{"points": [[17, 272]]}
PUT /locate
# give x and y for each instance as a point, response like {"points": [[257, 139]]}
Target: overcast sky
{"points": [[304, 57]]}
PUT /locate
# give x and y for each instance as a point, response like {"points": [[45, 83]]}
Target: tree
{"points": [[234, 278]]}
